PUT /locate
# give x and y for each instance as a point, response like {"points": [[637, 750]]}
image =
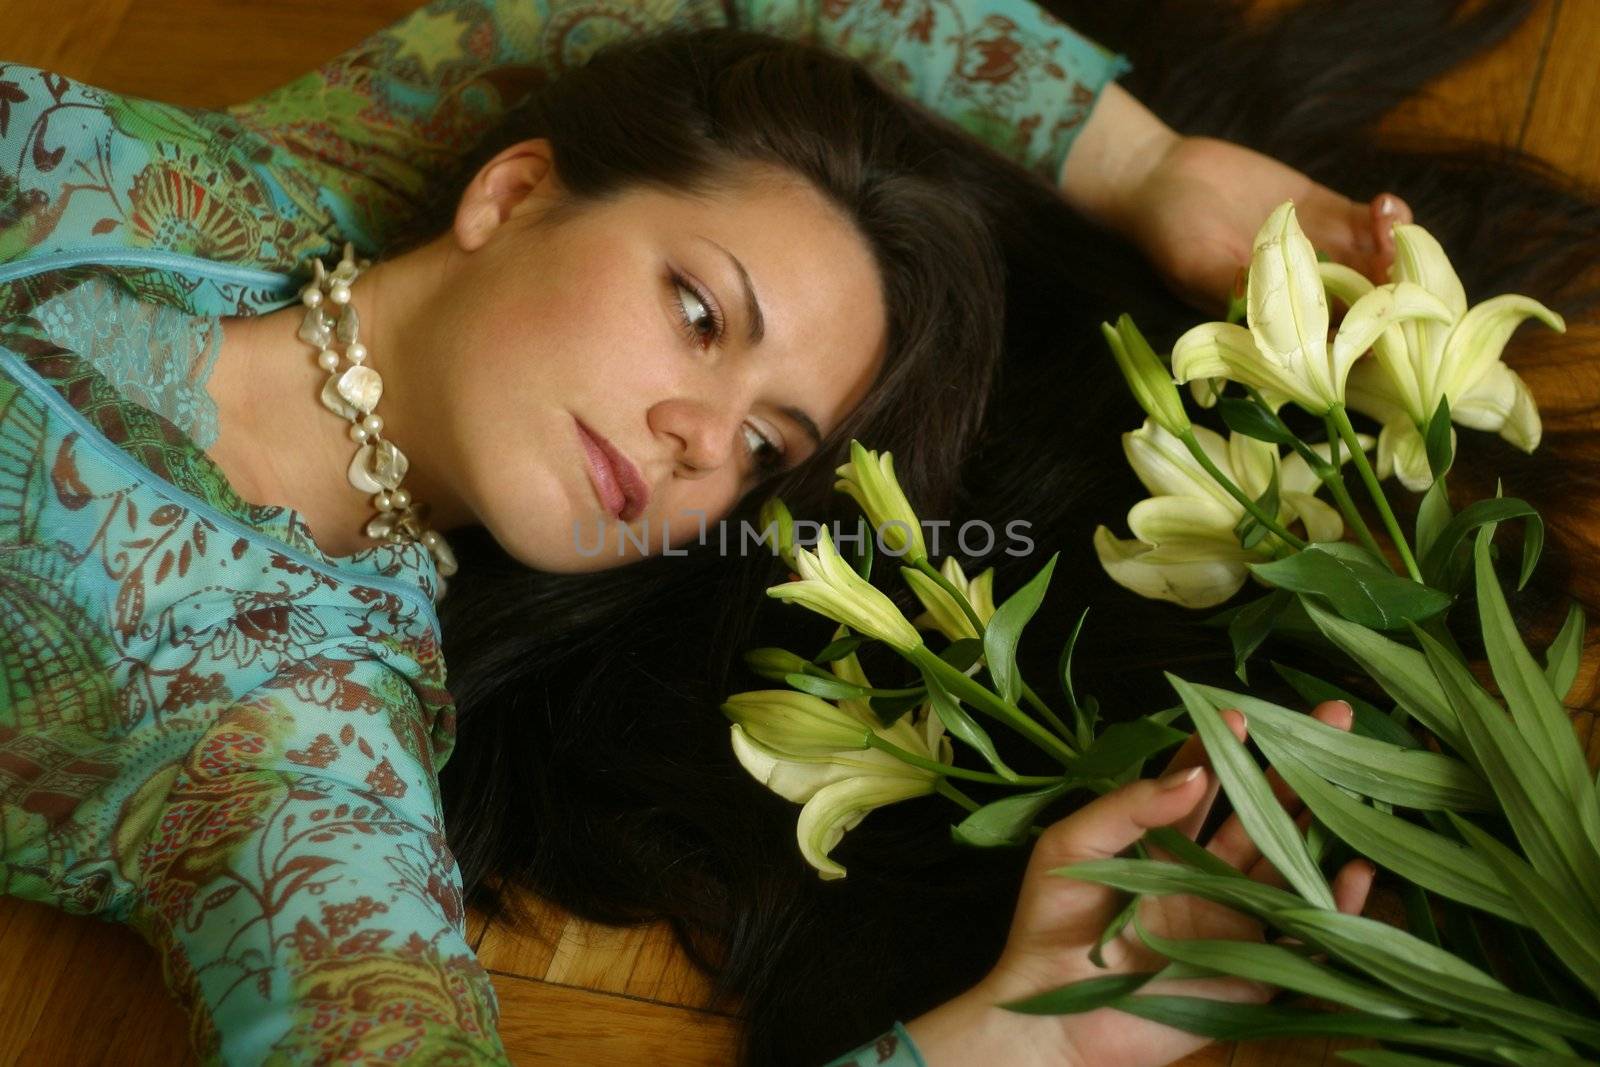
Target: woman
{"points": [[211, 784]]}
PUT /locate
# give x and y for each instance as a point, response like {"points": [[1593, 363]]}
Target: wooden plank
{"points": [[544, 1023], [1486, 98], [36, 34], [1564, 124]]}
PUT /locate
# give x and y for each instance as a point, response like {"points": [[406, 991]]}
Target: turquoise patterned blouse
{"points": [[209, 729]]}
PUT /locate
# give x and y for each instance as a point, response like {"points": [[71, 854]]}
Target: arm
{"points": [[293, 875], [376, 124]]}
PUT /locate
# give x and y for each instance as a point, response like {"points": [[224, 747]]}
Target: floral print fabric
{"points": [[208, 728]]}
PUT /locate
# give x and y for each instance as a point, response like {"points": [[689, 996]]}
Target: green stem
{"points": [[1341, 419], [945, 789], [950, 771], [978, 628], [1334, 480], [1250, 506], [964, 688]]}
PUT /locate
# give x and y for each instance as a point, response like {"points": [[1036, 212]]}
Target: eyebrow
{"points": [[758, 330]]}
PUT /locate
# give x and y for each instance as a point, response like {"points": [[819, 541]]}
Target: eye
{"points": [[769, 456], [702, 321]]}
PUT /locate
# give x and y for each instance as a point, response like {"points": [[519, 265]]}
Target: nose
{"points": [[703, 432]]}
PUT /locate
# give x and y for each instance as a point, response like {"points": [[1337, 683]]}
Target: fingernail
{"points": [[1180, 778], [1388, 205]]}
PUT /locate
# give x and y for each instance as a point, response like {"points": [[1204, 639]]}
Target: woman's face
{"points": [[646, 361]]}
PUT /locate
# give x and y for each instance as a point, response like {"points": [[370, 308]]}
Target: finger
{"points": [[1231, 843], [1351, 886], [1109, 824], [1386, 211], [1192, 753]]}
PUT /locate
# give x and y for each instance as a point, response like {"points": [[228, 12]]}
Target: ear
{"points": [[520, 179]]}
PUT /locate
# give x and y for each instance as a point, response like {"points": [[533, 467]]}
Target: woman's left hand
{"points": [[1197, 210]]}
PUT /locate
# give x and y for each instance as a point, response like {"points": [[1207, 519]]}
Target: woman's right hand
{"points": [[1058, 920]]}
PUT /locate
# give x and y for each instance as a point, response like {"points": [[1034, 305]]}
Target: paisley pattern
{"points": [[209, 729]]}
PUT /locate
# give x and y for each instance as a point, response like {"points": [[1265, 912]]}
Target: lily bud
{"points": [[1147, 376], [775, 516], [774, 663], [869, 480], [794, 723]]}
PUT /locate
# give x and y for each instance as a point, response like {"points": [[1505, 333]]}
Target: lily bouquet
{"points": [[1477, 801]]}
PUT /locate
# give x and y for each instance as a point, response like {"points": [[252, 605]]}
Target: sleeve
{"points": [[374, 125], [293, 875], [893, 1048]]}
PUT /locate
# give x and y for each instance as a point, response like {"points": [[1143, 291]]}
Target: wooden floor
{"points": [[74, 991]]}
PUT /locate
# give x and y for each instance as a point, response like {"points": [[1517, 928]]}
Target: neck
{"points": [[279, 445]]}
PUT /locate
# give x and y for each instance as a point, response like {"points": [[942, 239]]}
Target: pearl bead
{"points": [[401, 499], [356, 352], [358, 433], [328, 359], [430, 538], [373, 423], [339, 294], [311, 297], [383, 501]]}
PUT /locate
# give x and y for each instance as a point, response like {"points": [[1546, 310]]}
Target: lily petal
{"points": [[1480, 337], [1371, 389], [1165, 520], [1403, 452], [1501, 401], [1164, 465], [1252, 462], [1371, 317], [1322, 520], [840, 806], [1288, 310], [1194, 583]]}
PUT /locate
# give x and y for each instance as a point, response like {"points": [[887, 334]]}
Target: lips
{"points": [[617, 482]]}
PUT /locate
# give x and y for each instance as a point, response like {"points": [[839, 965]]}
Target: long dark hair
{"points": [[592, 766]]}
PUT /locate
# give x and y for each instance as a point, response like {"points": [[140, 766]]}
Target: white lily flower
{"points": [[1417, 364], [1184, 548], [943, 613], [831, 587], [1285, 348], [839, 788]]}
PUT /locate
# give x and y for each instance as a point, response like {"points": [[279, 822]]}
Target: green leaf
{"points": [[1427, 973], [964, 726], [1408, 776], [1379, 1057], [1253, 624], [1004, 631], [1124, 744], [1403, 672], [1268, 825], [839, 649], [1433, 515], [1437, 564], [1064, 673], [1280, 967], [1369, 721], [1431, 860], [1075, 997], [1362, 593], [1254, 420], [889, 709], [1539, 812], [863, 562], [1005, 821], [1248, 530], [1562, 658], [1573, 936], [1224, 1021], [1185, 850], [1437, 440], [1534, 705], [963, 653], [826, 688], [1113, 929]]}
